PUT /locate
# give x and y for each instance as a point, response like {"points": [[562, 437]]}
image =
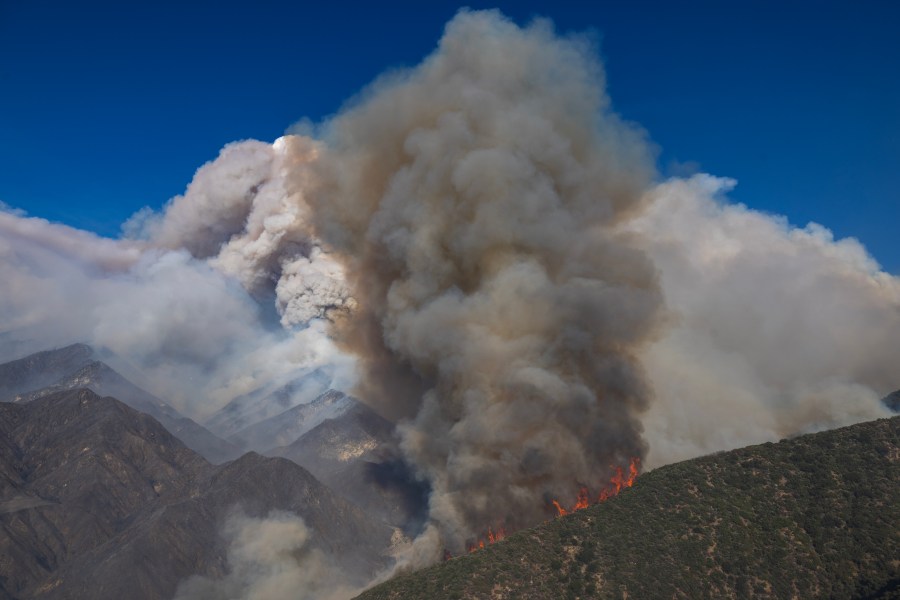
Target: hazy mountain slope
{"points": [[813, 517], [179, 539], [108, 504], [76, 366], [284, 428], [351, 453], [268, 401]]}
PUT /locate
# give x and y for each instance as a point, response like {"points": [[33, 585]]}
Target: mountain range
{"points": [[107, 491]]}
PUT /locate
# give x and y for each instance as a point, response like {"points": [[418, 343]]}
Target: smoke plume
{"points": [[476, 204], [269, 559], [777, 330]]}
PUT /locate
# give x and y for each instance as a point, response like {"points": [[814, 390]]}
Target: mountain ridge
{"points": [[813, 516], [78, 366]]}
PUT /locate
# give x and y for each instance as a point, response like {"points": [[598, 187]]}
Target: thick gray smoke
{"points": [[270, 559], [476, 204]]}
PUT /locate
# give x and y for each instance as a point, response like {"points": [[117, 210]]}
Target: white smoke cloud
{"points": [[270, 559], [194, 332], [238, 214], [779, 330]]}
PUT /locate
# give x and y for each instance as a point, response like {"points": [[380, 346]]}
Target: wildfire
{"points": [[492, 537], [617, 483]]}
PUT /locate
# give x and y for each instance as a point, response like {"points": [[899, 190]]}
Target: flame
{"points": [[491, 537], [616, 484], [561, 512], [496, 537], [583, 499], [632, 471]]}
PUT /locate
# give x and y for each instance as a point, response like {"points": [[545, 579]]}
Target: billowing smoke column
{"points": [[475, 203]]}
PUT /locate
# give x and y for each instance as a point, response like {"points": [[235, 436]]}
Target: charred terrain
{"points": [[817, 516]]}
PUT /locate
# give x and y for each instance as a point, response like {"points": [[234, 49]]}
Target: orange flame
{"points": [[583, 499], [632, 471], [616, 484], [492, 537]]}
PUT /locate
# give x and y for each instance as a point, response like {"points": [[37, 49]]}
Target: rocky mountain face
{"points": [[354, 454], [76, 366], [100, 501], [817, 516]]}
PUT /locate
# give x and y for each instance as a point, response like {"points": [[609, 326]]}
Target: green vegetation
{"points": [[817, 516]]}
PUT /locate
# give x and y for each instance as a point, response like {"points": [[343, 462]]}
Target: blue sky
{"points": [[106, 107]]}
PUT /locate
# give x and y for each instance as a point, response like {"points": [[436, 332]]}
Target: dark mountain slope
{"points": [[84, 465], [813, 517], [41, 369], [103, 502], [74, 367]]}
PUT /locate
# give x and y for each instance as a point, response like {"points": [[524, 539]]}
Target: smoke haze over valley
{"points": [[472, 273]]}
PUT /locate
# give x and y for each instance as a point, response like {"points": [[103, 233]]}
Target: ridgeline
{"points": [[816, 516]]}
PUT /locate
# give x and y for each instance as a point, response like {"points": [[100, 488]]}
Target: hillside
{"points": [[817, 516], [100, 501]]}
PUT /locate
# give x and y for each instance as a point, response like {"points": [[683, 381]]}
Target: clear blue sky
{"points": [[109, 106]]}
